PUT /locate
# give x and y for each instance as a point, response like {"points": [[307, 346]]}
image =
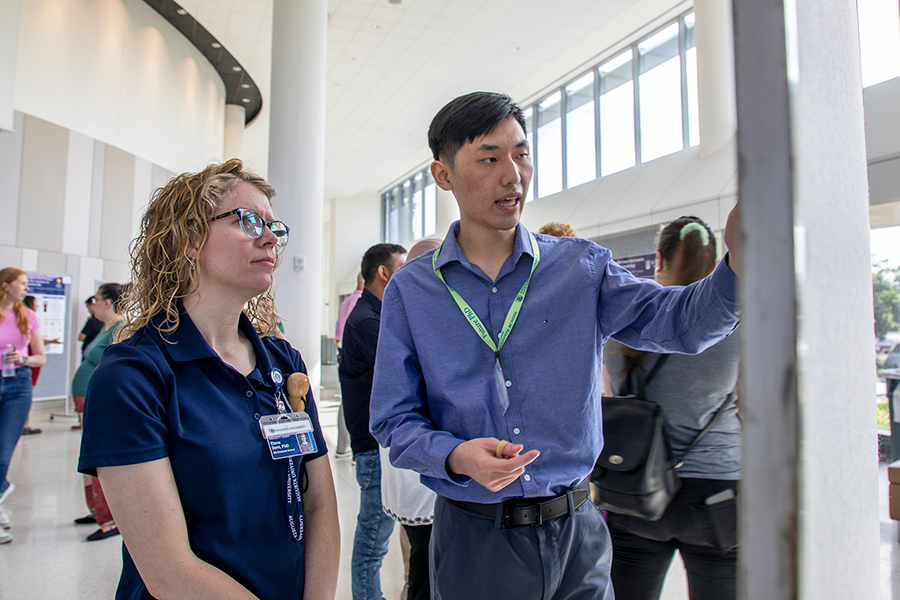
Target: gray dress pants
{"points": [[472, 557]]}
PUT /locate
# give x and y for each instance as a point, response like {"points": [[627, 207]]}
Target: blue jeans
{"points": [[373, 530], [15, 402]]}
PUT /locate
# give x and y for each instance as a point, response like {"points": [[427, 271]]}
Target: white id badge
{"points": [[288, 435], [500, 383]]}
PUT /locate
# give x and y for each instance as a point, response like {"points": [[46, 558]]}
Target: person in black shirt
{"points": [[91, 328], [356, 371]]}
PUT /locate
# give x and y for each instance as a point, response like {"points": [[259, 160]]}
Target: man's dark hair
{"points": [[469, 117], [376, 256]]}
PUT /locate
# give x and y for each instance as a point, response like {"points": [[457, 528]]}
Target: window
{"points": [[690, 68], [659, 87], [616, 114], [430, 195], [410, 209], [416, 213], [549, 146], [581, 149]]}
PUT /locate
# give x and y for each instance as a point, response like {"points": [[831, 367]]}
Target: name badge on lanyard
{"points": [[287, 433]]}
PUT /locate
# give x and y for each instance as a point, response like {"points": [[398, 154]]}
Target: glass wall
{"points": [[659, 86], [617, 114], [581, 146], [549, 145], [410, 209]]}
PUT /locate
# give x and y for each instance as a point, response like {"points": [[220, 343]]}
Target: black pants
{"points": [[419, 583], [704, 534]]}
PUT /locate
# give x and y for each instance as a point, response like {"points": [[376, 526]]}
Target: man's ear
{"points": [[383, 273], [660, 262], [441, 173]]}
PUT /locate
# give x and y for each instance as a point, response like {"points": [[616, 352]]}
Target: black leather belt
{"points": [[529, 512]]}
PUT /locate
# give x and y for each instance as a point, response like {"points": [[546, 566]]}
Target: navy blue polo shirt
{"points": [[357, 369], [150, 399]]}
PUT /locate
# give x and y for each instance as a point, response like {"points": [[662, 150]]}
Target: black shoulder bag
{"points": [[637, 472]]}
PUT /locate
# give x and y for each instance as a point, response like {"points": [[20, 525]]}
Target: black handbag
{"points": [[637, 472]]}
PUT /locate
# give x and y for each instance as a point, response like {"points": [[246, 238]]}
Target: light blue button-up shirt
{"points": [[434, 381]]}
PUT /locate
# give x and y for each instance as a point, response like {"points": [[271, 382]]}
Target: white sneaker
{"points": [[9, 490], [4, 520], [5, 536]]}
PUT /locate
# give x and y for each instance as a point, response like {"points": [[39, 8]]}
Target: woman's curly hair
{"points": [[174, 230]]}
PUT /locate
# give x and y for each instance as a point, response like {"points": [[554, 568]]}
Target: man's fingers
{"points": [[522, 460]]}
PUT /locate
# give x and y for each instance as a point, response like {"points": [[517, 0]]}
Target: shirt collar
{"points": [[450, 250], [187, 343], [371, 299]]}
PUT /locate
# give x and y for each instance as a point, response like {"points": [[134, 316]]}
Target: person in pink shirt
{"points": [[19, 328], [344, 310]]}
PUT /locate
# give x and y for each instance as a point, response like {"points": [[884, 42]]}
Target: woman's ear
{"points": [[660, 263]]}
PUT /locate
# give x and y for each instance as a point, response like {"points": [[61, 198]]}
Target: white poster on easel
{"points": [[49, 293]]}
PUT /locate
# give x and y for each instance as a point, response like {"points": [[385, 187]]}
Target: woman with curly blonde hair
{"points": [[210, 501]]}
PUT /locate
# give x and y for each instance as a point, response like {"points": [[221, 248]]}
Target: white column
{"points": [[297, 166], [714, 39], [809, 502], [839, 492], [235, 121]]}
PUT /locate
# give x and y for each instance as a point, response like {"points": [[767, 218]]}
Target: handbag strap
{"points": [[633, 365], [708, 428]]}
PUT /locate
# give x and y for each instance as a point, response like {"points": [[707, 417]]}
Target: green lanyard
{"points": [[511, 316]]}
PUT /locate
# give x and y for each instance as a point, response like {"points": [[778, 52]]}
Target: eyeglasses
{"points": [[253, 225]]}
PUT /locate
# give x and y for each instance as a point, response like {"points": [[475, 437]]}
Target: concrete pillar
{"points": [[297, 167], [809, 503], [714, 39], [235, 121]]}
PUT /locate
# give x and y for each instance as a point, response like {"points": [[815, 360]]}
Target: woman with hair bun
{"points": [[19, 329], [701, 521], [211, 459], [105, 307]]}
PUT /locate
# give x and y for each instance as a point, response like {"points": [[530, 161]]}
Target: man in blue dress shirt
{"points": [[488, 370]]}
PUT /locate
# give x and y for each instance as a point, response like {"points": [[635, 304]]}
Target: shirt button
{"points": [[508, 383], [528, 478], [249, 394], [494, 290], [516, 431], [256, 416]]}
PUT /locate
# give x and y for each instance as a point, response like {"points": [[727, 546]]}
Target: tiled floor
{"points": [[50, 559]]}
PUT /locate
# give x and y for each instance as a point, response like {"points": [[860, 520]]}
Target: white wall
{"points": [[883, 151], [117, 72], [355, 226], [9, 44]]}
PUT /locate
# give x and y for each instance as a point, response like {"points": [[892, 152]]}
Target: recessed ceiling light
{"points": [[246, 86], [245, 99], [236, 69], [216, 45], [376, 26], [395, 1], [181, 12]]}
